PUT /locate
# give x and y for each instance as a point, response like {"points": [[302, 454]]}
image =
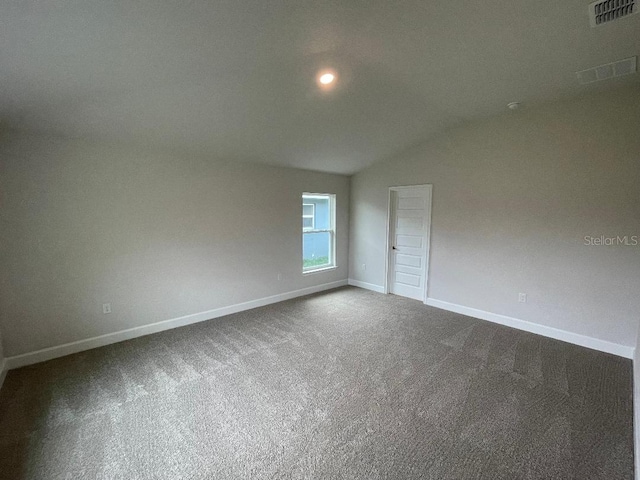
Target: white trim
{"points": [[386, 247], [312, 216], [366, 286], [317, 196], [331, 200], [551, 332], [319, 270], [427, 236], [636, 408], [109, 338]]}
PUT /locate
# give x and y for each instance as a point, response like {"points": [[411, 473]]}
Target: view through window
{"points": [[318, 231]]}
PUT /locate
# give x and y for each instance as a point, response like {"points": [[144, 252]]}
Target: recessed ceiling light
{"points": [[327, 78], [514, 105]]}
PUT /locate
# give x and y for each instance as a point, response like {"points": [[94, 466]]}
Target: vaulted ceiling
{"points": [[236, 79]]}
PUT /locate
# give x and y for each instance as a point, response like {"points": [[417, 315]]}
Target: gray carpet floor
{"points": [[344, 384]]}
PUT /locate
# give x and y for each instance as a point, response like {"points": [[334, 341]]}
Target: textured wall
{"points": [[157, 235], [513, 198]]}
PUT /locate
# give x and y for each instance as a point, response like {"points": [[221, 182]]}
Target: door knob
{"points": [[394, 247]]}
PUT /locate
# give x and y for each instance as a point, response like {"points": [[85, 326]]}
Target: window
{"points": [[308, 216], [318, 231]]}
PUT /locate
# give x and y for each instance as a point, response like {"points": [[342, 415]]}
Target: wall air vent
{"points": [[608, 70], [606, 11]]}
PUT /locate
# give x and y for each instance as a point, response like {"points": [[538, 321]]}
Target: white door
{"points": [[409, 218]]}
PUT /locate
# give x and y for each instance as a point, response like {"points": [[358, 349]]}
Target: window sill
{"points": [[318, 270]]}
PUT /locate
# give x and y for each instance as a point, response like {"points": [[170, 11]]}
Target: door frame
{"points": [[427, 235]]}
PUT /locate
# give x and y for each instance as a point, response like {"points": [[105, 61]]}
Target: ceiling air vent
{"points": [[608, 10], [608, 70]]}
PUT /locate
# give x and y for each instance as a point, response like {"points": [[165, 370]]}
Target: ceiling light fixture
{"points": [[327, 78], [514, 105]]}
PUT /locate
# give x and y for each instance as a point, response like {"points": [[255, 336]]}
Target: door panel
{"points": [[408, 253], [411, 241], [408, 260]]}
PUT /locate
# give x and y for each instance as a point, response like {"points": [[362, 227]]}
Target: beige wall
{"points": [[513, 199], [156, 235]]}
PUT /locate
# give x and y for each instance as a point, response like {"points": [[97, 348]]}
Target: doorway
{"points": [[409, 227]]}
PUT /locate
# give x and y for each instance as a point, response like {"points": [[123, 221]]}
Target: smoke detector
{"points": [[605, 11], [608, 70]]}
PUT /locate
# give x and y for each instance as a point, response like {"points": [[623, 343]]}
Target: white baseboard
{"points": [[365, 285], [551, 332], [102, 340]]}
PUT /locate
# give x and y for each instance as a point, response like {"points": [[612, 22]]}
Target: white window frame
{"points": [[331, 230], [312, 216]]}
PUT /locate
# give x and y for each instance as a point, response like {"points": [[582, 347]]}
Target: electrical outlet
{"points": [[279, 277], [522, 297], [364, 266], [106, 308]]}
